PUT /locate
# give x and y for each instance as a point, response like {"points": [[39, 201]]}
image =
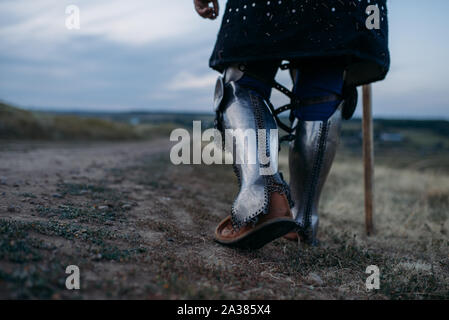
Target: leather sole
{"points": [[292, 236], [257, 237]]}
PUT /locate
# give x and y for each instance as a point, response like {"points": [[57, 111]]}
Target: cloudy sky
{"points": [[153, 55]]}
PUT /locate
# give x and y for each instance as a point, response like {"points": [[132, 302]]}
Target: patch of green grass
{"points": [[28, 195], [16, 245], [36, 282], [69, 231], [16, 123], [111, 252], [19, 124], [82, 215], [69, 127]]}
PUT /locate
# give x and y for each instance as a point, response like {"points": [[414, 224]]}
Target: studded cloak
{"points": [[301, 30]]}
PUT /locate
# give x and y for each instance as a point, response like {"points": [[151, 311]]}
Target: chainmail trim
{"points": [[283, 188]]}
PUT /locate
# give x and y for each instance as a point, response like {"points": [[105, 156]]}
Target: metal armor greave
{"points": [[238, 107], [310, 159]]}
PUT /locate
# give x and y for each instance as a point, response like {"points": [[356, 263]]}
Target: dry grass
{"points": [[21, 124]]}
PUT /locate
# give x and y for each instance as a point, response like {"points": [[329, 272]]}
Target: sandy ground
{"points": [[139, 227]]}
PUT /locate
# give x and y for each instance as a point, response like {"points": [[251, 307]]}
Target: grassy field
{"points": [[19, 124], [139, 227]]}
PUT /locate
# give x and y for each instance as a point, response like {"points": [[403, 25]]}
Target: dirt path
{"points": [[22, 162], [139, 227]]}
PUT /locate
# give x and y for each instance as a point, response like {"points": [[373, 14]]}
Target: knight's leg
{"points": [[260, 212], [318, 122]]}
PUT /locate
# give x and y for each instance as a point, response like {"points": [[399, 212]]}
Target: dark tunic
{"points": [[300, 30]]}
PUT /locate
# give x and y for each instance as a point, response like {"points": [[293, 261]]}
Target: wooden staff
{"points": [[368, 158]]}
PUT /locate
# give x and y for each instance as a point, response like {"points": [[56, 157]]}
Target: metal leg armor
{"points": [[311, 155], [238, 107]]}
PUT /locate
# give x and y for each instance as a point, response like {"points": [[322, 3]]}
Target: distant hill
{"points": [[16, 123]]}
